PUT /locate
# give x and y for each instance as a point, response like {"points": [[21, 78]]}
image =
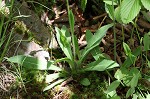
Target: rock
{"points": [[37, 51], [30, 27], [33, 23]]}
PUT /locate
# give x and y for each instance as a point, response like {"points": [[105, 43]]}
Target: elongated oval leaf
{"points": [[100, 33], [126, 49], [109, 10], [136, 75], [76, 46], [53, 84], [88, 35], [132, 58], [146, 4], [71, 21], [129, 10], [130, 92], [113, 86], [64, 43], [95, 40], [101, 65], [33, 63], [51, 77]]}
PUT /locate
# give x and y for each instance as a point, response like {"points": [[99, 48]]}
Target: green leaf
{"points": [[76, 46], [96, 53], [88, 35], [130, 92], [71, 21], [129, 10], [109, 9], [83, 4], [85, 82], [146, 42], [51, 66], [146, 15], [51, 77], [100, 33], [118, 14], [64, 42], [130, 78], [95, 40], [132, 58], [126, 49], [146, 4], [113, 86], [110, 2], [118, 75], [101, 65], [66, 33], [53, 84], [135, 77], [33, 63]]}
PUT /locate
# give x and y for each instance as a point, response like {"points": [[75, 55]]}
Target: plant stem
{"points": [[114, 31]]}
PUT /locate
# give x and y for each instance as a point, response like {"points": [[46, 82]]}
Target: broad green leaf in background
{"points": [[53, 84], [101, 65], [118, 14], [95, 41], [33, 63], [83, 4], [146, 15], [85, 82], [64, 43], [110, 2], [146, 41], [113, 86], [129, 10], [146, 4]]}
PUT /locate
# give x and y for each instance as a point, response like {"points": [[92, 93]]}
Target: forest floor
{"points": [[94, 17]]}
